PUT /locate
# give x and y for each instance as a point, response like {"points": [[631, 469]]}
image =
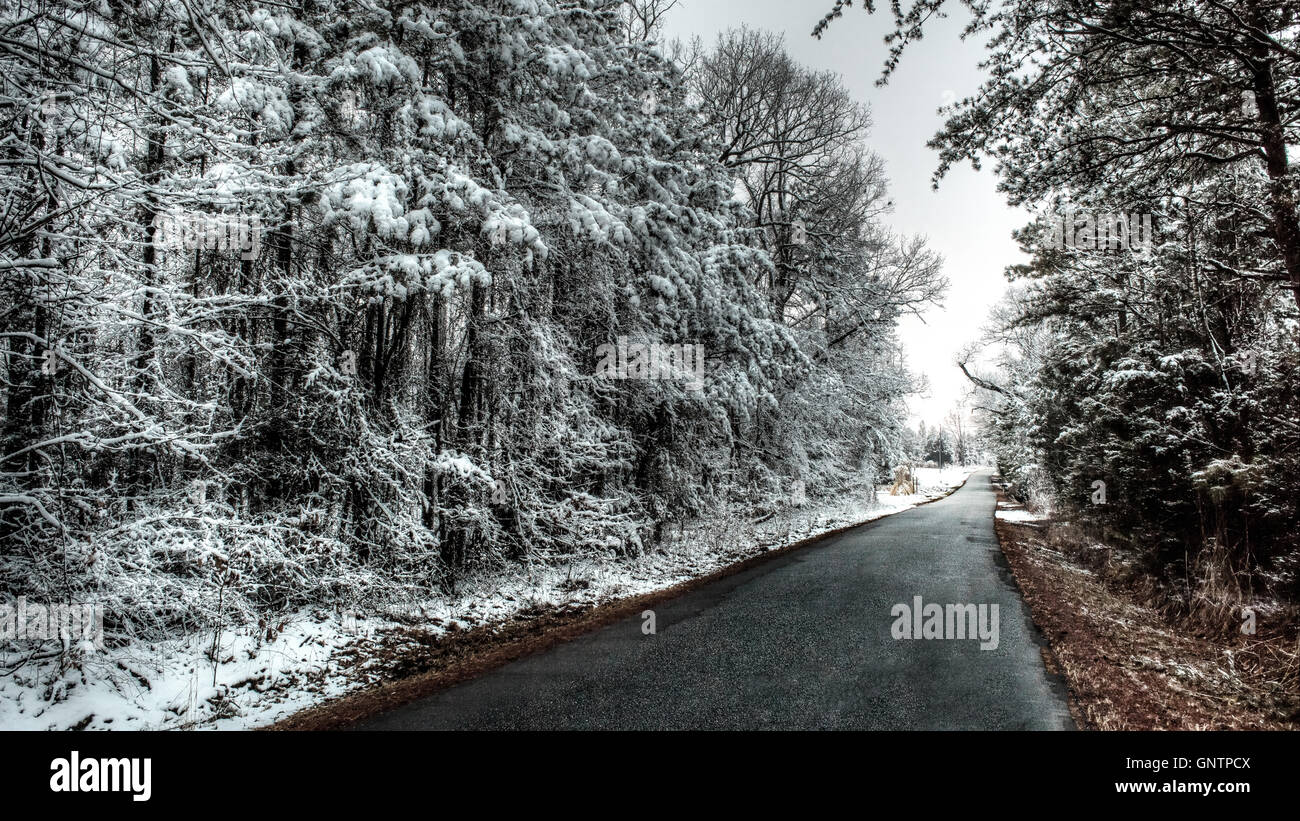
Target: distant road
{"points": [[801, 642]]}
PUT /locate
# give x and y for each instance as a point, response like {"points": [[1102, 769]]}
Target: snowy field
{"points": [[264, 677]]}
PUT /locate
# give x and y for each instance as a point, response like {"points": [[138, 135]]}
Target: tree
{"points": [[1142, 92], [392, 376]]}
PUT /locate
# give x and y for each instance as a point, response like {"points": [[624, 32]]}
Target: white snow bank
{"points": [[267, 672]]}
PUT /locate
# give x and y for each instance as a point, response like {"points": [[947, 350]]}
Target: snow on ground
{"points": [[269, 672], [1020, 515], [1011, 512]]}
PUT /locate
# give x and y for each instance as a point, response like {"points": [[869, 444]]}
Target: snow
{"points": [[396, 395], [1013, 512], [271, 671], [1020, 515], [437, 121], [267, 102], [366, 195]]}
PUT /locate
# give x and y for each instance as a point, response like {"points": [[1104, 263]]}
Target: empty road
{"points": [[801, 642]]}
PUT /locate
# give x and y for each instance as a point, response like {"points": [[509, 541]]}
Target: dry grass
{"points": [[1130, 665]]}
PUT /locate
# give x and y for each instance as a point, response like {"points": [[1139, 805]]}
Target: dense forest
{"points": [[1148, 391], [333, 302]]}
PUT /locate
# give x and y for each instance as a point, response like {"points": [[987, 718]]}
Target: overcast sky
{"points": [[966, 220]]}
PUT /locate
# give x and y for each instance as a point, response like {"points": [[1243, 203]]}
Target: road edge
{"points": [[474, 652]]}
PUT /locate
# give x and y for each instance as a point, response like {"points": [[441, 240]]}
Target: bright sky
{"points": [[966, 220]]}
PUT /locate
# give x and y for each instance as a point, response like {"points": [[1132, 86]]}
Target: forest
{"points": [[347, 306], [340, 303], [1140, 379]]}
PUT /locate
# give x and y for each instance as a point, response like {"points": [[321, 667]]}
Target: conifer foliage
{"points": [[304, 303]]}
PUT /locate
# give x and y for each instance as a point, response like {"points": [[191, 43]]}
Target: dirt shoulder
{"points": [[1128, 667], [414, 663]]}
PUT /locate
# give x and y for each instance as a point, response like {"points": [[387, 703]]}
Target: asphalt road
{"points": [[801, 642]]}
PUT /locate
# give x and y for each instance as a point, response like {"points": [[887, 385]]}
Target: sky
{"points": [[967, 221]]}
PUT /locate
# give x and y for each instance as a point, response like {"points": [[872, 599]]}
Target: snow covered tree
{"points": [[311, 303]]}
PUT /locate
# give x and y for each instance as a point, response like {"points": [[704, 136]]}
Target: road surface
{"points": [[801, 642]]}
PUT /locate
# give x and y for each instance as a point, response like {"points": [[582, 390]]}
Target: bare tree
{"points": [[644, 18]]}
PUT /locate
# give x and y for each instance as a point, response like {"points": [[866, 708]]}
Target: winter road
{"points": [[801, 642]]}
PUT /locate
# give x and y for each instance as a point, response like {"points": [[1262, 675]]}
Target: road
{"points": [[801, 642]]}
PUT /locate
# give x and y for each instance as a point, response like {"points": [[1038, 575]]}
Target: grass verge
{"points": [[1128, 666]]}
